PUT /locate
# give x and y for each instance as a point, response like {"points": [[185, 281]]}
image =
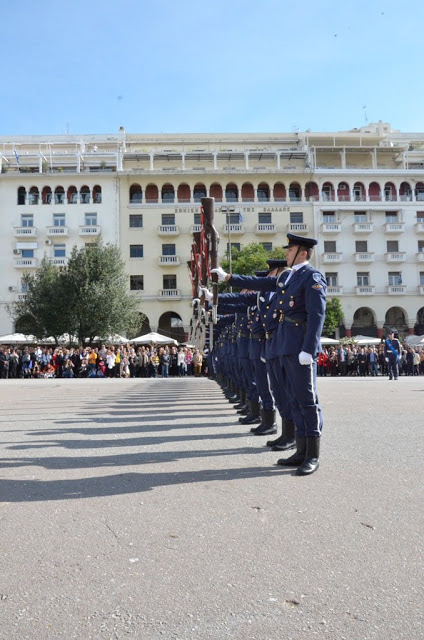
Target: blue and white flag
{"points": [[16, 156], [240, 217]]}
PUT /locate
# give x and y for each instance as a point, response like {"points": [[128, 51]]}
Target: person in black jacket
{"points": [[392, 353]]}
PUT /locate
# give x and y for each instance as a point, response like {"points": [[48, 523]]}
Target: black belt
{"points": [[255, 337], [284, 318], [269, 334]]}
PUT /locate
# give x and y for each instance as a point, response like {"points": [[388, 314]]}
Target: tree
{"points": [[333, 316], [87, 298], [251, 258]]}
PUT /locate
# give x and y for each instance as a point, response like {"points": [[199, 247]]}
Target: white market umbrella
{"points": [[153, 338], [113, 339], [327, 341], [364, 340], [18, 338], [414, 341]]}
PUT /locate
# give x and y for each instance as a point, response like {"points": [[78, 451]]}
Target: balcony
{"points": [[169, 294], [90, 230], [420, 256], [265, 228], [168, 230], [394, 227], [26, 263], [57, 232], [165, 261], [396, 289], [363, 257], [233, 228], [334, 291], [333, 258], [25, 232], [327, 197], [59, 262], [419, 226], [365, 290], [195, 228], [395, 256], [363, 227], [298, 227], [331, 227]]}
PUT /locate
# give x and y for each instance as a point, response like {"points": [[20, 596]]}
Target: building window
{"points": [[359, 216], [27, 220], [421, 278], [363, 279], [136, 283], [331, 279], [58, 219], [21, 195], [235, 246], [231, 194], [328, 217], [267, 246], [264, 218], [361, 246], [59, 195], [168, 219], [168, 194], [27, 253], [296, 217], [169, 282], [168, 250], [59, 250], [136, 250], [232, 218], [263, 194], [97, 194], [420, 216], [85, 195], [420, 246], [198, 193], [197, 218], [330, 246], [136, 220], [395, 278], [391, 217], [392, 246], [33, 196], [90, 219]]}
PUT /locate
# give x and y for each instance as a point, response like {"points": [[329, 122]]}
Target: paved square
{"points": [[141, 508]]}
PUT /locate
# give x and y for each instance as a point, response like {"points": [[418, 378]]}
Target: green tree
{"points": [[41, 312], [87, 298], [333, 316], [251, 258]]}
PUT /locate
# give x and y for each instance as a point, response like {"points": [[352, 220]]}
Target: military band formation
{"points": [[265, 347]]}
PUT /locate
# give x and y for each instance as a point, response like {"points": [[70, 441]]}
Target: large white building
{"points": [[359, 192]]}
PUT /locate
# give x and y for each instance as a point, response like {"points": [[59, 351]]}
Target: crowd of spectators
{"points": [[368, 361], [125, 361]]}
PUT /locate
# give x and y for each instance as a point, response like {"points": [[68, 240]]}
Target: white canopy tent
{"points": [[362, 341], [415, 341], [326, 342], [153, 338], [18, 338]]}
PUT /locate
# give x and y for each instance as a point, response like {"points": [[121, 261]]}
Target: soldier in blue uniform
{"points": [[392, 354]]}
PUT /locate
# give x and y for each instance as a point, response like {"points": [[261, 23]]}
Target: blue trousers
{"points": [[306, 410], [262, 383], [279, 389]]}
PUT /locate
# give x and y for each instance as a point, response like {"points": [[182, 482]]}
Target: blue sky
{"points": [[162, 66]]}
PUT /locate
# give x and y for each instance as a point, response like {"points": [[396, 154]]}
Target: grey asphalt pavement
{"points": [[142, 508]]}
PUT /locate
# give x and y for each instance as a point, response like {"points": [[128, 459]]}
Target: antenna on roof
{"points": [[365, 114]]}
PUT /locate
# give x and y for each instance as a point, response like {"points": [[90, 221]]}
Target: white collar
{"points": [[296, 267]]}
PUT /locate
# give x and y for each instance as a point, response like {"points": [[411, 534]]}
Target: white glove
{"points": [[194, 302], [204, 291], [387, 359], [305, 358], [220, 273]]}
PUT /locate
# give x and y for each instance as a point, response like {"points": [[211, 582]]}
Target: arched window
{"points": [[72, 195], [374, 192], [327, 192], [295, 192], [152, 193], [231, 193], [34, 195], [279, 192], [59, 195], [199, 192], [183, 193], [343, 192], [216, 192], [263, 192], [405, 192], [46, 195], [311, 191], [22, 195], [358, 192], [85, 195], [390, 192], [247, 192], [168, 193], [171, 325], [136, 194], [97, 194], [419, 190]]}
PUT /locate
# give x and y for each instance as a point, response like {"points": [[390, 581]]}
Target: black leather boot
{"points": [[254, 429], [268, 425], [287, 440], [297, 458], [242, 402], [311, 461], [254, 415]]}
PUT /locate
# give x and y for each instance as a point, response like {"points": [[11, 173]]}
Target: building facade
{"points": [[360, 193]]}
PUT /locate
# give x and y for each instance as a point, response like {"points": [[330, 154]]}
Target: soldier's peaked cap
{"points": [[300, 241], [276, 263]]}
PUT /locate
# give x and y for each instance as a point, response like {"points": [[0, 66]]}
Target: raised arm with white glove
{"points": [[305, 358], [222, 275], [204, 291], [195, 301]]}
